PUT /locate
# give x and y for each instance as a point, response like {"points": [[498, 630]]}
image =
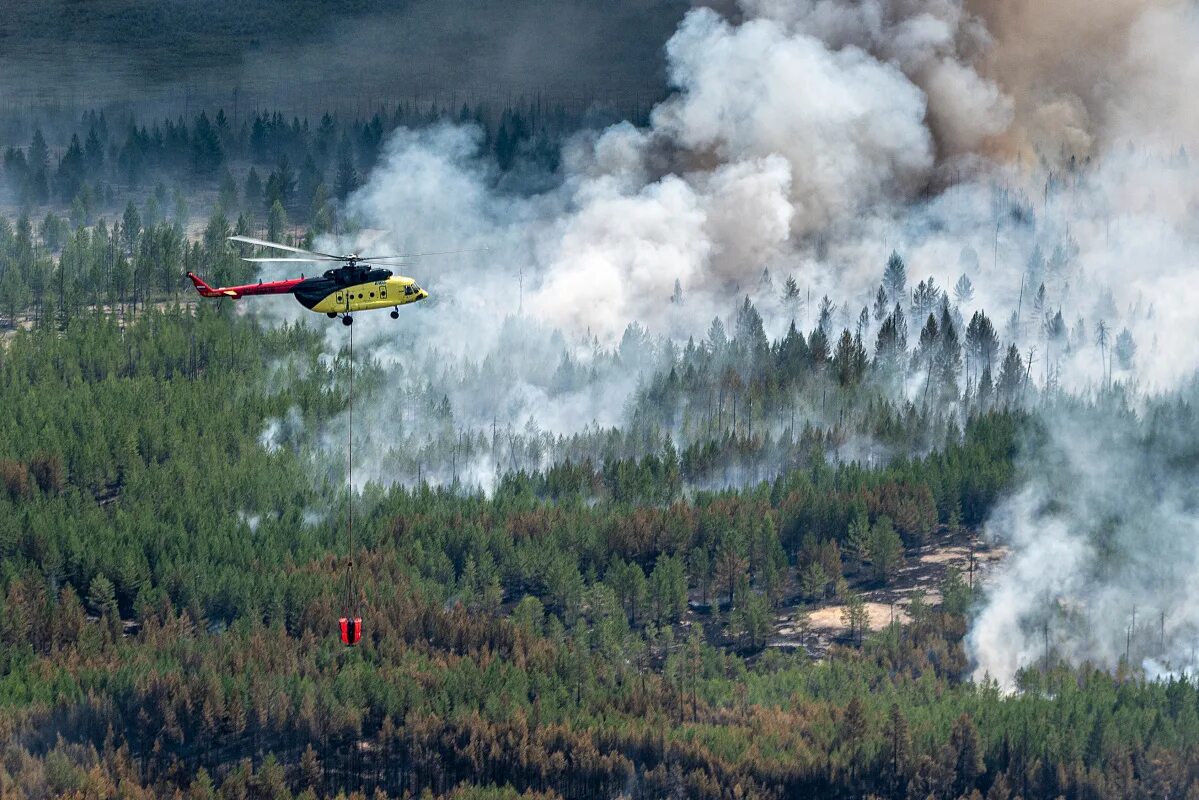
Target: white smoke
{"points": [[772, 136], [1104, 564], [808, 140], [1023, 145]]}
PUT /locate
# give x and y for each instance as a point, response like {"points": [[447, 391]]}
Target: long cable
{"points": [[350, 488]]}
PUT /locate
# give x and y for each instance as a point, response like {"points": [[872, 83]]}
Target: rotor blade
{"points": [[268, 260], [277, 246], [422, 255]]}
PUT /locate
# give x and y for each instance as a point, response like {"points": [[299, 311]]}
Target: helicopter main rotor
{"points": [[352, 260]]}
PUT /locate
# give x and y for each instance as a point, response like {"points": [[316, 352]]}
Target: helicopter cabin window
{"points": [[372, 295], [339, 298]]}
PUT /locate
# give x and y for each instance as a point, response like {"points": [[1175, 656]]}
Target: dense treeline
{"points": [[121, 267], [169, 403], [250, 162], [170, 589]]}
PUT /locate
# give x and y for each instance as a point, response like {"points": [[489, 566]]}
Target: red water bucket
{"points": [[351, 630]]}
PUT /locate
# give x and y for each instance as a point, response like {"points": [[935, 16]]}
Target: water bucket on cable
{"points": [[350, 625], [351, 630]]}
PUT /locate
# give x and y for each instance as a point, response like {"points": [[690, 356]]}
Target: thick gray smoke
{"points": [[1037, 149], [811, 139]]}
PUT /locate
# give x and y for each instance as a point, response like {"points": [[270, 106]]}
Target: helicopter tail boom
{"points": [[272, 287]]}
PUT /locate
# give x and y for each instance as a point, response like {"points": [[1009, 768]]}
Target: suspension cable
{"points": [[350, 489]]}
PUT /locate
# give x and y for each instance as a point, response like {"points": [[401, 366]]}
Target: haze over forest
{"points": [[318, 55]]}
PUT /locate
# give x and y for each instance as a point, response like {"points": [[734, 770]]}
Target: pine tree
{"points": [[280, 186], [1126, 349], [965, 755], [895, 278], [898, 753], [890, 345], [716, 339], [846, 360], [321, 212], [925, 298], [790, 295], [880, 304], [347, 176], [72, 170], [824, 320], [857, 543], [311, 178], [886, 549], [982, 342], [93, 150], [851, 732], [1102, 336], [854, 616], [206, 152], [38, 188], [750, 333], [818, 347], [814, 581], [276, 222], [131, 226], [949, 359], [963, 290], [698, 564]]}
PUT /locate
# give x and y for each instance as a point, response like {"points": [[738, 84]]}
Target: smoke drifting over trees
{"points": [[940, 207], [813, 139], [1104, 566], [736, 381]]}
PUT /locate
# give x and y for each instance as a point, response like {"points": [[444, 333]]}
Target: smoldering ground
{"points": [[811, 139]]}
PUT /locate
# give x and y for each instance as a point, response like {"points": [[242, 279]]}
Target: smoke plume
{"points": [[1039, 149]]}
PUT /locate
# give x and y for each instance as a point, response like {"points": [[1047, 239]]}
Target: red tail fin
{"points": [[203, 288]]}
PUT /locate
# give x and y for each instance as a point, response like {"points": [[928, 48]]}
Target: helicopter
{"points": [[354, 286]]}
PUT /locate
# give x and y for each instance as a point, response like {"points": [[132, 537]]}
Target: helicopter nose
{"points": [[422, 294]]}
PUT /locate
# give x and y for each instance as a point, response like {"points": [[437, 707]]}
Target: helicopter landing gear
{"points": [[347, 320], [331, 314], [395, 314]]}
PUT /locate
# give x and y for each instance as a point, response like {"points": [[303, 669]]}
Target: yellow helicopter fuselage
{"points": [[385, 293]]}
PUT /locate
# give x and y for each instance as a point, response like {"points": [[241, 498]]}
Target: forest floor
{"points": [[923, 570]]}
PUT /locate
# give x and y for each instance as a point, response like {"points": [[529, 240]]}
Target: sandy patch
{"points": [[828, 618]]}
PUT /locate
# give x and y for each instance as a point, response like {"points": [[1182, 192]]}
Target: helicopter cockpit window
{"points": [[408, 290]]}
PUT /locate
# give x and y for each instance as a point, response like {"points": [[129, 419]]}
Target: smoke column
{"points": [[1039, 149]]}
